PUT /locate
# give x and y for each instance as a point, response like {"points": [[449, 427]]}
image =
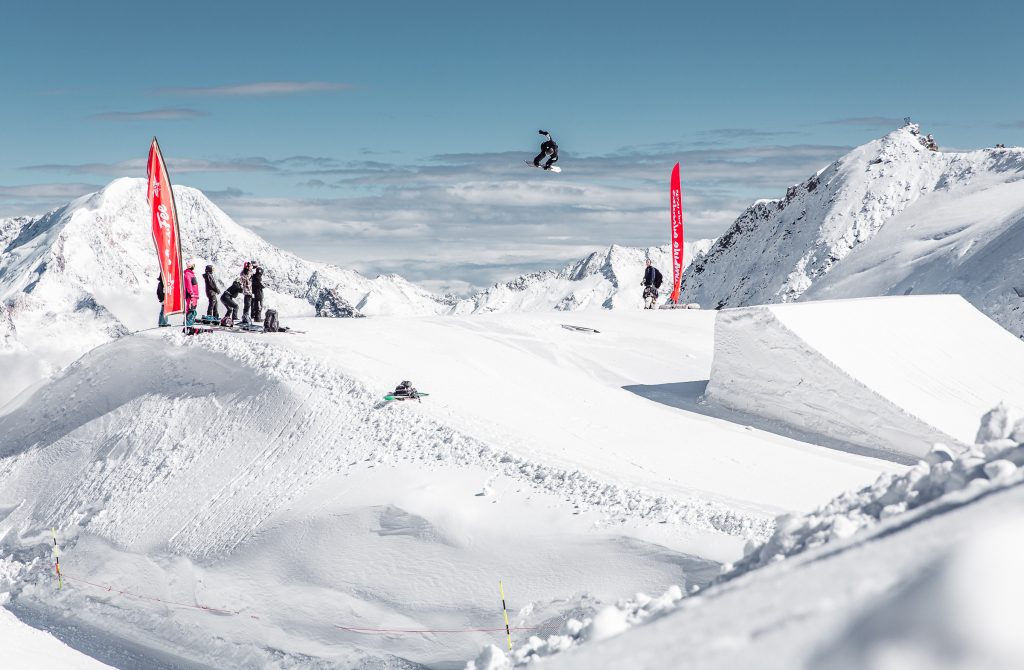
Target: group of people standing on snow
{"points": [[248, 284]]}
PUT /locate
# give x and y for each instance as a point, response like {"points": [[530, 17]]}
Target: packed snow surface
{"points": [[897, 373], [920, 571], [250, 501]]}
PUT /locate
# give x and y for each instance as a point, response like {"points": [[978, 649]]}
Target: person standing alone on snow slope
{"points": [[191, 294], [547, 148], [211, 292], [651, 283]]}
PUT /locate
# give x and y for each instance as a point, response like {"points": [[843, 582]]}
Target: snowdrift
{"points": [[897, 373]]}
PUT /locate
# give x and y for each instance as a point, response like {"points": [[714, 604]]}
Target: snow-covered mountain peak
{"points": [[86, 273], [777, 250]]}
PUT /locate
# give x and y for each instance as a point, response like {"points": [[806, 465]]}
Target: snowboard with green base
{"points": [[391, 396]]}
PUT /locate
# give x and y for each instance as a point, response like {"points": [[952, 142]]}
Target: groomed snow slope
{"points": [[259, 475], [898, 373]]}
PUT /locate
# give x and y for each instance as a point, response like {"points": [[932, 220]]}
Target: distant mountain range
{"points": [[889, 218]]}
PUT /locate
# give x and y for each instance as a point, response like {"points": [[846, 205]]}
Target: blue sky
{"points": [[388, 136]]}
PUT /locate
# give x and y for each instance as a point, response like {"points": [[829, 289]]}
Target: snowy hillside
{"points": [[608, 279], [88, 268], [245, 500], [889, 218], [85, 274]]}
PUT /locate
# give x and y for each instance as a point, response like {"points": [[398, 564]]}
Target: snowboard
{"points": [[553, 168], [582, 329], [391, 396]]}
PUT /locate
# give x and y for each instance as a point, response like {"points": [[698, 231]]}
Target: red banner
{"points": [[165, 231], [676, 203]]}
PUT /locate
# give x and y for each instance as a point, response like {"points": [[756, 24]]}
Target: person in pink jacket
{"points": [[191, 294]]}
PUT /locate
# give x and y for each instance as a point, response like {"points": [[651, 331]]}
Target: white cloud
{"points": [[260, 88]]}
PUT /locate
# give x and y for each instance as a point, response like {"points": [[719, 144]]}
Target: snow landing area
{"points": [[898, 373], [247, 500]]}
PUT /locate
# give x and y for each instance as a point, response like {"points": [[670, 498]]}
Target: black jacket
{"points": [[160, 288], [234, 289], [257, 284], [211, 283], [652, 277]]}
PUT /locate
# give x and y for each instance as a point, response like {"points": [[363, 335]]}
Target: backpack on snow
{"points": [[657, 278], [270, 322]]}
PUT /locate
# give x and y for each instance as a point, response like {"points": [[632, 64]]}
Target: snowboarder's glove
{"points": [[542, 132]]}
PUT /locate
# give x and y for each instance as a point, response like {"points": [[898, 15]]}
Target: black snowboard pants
{"points": [[211, 309], [257, 307], [230, 306], [552, 159]]}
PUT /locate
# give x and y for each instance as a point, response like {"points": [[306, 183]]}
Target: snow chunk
{"points": [[941, 473], [490, 658]]}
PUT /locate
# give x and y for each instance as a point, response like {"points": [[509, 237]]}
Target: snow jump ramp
{"points": [[892, 373]]}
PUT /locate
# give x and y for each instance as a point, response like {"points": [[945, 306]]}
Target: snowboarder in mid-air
{"points": [[548, 149], [651, 283]]}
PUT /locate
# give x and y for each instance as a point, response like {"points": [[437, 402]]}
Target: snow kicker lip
{"points": [[890, 373]]}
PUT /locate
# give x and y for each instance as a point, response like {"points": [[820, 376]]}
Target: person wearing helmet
{"points": [[211, 293], [191, 294], [547, 148]]}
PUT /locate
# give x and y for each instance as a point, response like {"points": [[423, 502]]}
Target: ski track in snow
{"points": [[379, 434]]}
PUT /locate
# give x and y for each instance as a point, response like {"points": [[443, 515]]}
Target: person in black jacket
{"points": [[227, 297], [651, 283], [160, 296], [547, 148], [211, 293], [257, 294]]}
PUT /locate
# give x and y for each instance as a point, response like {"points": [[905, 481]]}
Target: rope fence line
{"points": [[111, 589], [351, 629], [448, 630]]}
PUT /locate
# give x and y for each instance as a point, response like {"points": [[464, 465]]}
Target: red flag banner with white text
{"points": [[165, 231], [676, 203]]}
